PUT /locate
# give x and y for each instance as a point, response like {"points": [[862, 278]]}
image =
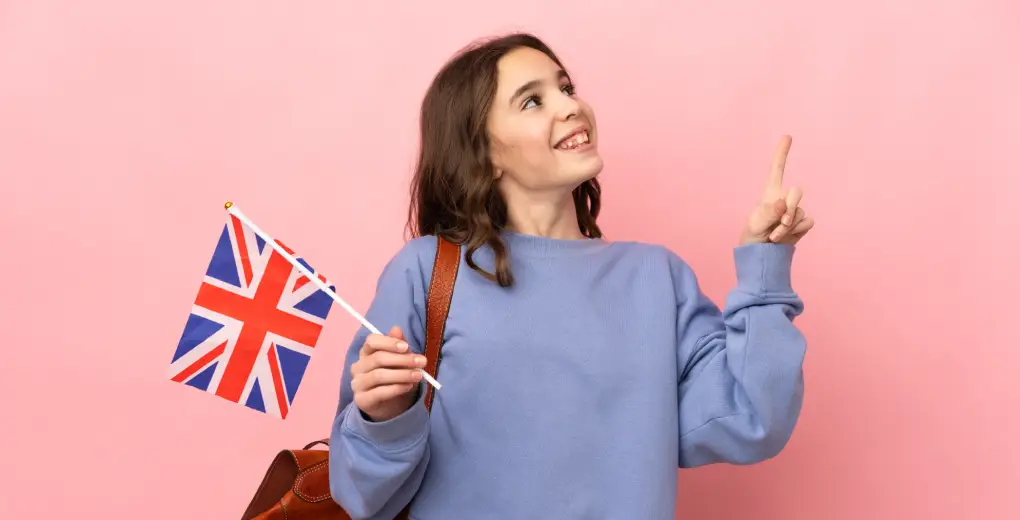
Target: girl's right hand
{"points": [[385, 376]]}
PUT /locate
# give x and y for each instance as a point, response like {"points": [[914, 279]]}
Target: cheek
{"points": [[588, 112], [532, 142], [524, 149]]}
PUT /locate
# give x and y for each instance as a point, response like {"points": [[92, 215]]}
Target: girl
{"points": [[578, 374]]}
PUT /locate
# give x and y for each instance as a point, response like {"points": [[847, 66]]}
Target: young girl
{"points": [[578, 374]]}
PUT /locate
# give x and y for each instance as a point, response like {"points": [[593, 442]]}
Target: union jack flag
{"points": [[253, 325]]}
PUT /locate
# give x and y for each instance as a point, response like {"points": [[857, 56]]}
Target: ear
{"points": [[496, 158]]}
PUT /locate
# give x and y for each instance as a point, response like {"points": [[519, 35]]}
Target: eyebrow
{"points": [[534, 83]]}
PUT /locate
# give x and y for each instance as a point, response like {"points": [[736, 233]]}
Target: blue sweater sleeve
{"points": [[375, 468], [741, 382]]}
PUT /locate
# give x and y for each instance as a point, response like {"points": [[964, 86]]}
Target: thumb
{"points": [[768, 215], [778, 209], [395, 332]]}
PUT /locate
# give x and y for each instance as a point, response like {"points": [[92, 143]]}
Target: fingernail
{"points": [[787, 220], [420, 361], [402, 346]]}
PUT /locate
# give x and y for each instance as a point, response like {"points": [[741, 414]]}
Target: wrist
{"points": [[764, 267], [396, 407], [747, 238], [396, 433]]}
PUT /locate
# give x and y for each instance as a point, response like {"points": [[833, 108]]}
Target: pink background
{"points": [[124, 126]]}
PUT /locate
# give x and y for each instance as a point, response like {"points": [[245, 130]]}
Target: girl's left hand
{"points": [[778, 218]]}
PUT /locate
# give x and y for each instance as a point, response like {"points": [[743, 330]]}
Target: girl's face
{"points": [[543, 135]]}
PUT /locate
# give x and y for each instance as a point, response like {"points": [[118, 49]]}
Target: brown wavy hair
{"points": [[454, 191]]}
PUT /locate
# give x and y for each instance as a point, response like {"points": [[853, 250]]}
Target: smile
{"points": [[574, 141]]}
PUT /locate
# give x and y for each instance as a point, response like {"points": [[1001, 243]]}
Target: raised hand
{"points": [[385, 376], [778, 218]]}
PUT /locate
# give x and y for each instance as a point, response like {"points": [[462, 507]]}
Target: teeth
{"points": [[575, 141]]}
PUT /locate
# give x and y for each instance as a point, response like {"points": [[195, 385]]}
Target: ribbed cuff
{"points": [[395, 434], [764, 268]]}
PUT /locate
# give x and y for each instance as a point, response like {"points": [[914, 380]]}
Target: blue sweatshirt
{"points": [[579, 391]]}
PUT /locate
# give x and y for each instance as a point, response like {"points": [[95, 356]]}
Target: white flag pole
{"points": [[232, 209]]}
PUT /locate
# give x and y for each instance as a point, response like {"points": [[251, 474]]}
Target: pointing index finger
{"points": [[779, 162]]}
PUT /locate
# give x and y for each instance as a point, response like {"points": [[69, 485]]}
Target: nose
{"points": [[568, 108]]}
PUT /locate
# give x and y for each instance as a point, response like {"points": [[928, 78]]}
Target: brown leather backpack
{"points": [[296, 486]]}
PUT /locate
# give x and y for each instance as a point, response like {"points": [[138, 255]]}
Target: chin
{"points": [[573, 171], [587, 169]]}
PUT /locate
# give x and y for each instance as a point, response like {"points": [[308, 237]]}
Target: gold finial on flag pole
{"points": [[228, 205]]}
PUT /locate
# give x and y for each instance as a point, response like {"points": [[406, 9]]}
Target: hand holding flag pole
{"points": [[232, 209]]}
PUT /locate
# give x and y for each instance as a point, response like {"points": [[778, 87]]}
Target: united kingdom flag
{"points": [[253, 326]]}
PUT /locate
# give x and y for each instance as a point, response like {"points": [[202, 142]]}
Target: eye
{"points": [[536, 101]]}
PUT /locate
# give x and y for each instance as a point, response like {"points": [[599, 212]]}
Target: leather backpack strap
{"points": [[437, 307], [444, 276]]}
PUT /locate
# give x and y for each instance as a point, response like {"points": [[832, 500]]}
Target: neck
{"points": [[544, 215]]}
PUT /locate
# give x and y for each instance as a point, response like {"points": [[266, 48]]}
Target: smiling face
{"points": [[543, 136]]}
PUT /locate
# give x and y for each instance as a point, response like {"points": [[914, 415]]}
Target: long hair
{"points": [[453, 192]]}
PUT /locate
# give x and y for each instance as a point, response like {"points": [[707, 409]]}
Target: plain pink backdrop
{"points": [[124, 126]]}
